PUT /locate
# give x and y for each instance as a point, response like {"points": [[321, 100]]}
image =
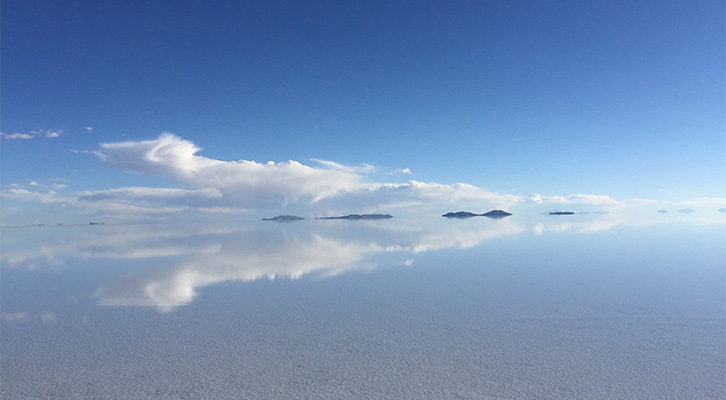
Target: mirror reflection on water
{"points": [[540, 307]]}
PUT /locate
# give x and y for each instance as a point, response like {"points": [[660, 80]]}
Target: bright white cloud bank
{"points": [[205, 185], [238, 182], [327, 186]]}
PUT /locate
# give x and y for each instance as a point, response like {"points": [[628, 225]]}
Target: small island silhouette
{"points": [[467, 214], [562, 213], [284, 218], [360, 216]]}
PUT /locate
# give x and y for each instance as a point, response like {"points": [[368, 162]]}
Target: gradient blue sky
{"points": [[616, 99]]}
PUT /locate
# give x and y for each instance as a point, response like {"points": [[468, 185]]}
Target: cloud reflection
{"points": [[291, 251], [179, 259]]}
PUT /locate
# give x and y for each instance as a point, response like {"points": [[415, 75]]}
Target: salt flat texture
{"points": [[409, 310]]}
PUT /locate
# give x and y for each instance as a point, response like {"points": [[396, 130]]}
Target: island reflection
{"points": [[322, 249], [182, 258]]}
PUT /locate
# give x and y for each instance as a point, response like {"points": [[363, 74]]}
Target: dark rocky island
{"points": [[466, 214], [284, 218], [460, 214], [361, 216], [496, 214], [562, 213]]}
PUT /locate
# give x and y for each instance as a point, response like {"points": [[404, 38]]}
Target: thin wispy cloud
{"points": [[16, 136], [76, 151], [16, 316], [49, 317], [576, 199], [48, 133]]}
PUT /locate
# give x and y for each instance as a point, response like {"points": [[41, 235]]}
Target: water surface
{"points": [[574, 307]]}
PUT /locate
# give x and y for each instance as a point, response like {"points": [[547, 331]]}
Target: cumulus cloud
{"points": [[205, 185], [325, 186], [242, 181], [88, 129]]}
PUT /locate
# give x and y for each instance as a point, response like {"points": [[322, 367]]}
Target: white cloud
{"points": [[366, 168], [205, 185], [710, 201], [326, 187], [239, 182], [146, 195], [80, 151], [16, 135], [88, 129], [575, 199], [48, 317], [13, 316], [19, 194], [49, 133]]}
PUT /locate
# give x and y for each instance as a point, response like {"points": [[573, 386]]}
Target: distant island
{"points": [[686, 211], [284, 218], [662, 211], [722, 210], [467, 214], [361, 216], [562, 213]]}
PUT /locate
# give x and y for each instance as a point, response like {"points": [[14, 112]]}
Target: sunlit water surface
{"points": [[572, 307]]}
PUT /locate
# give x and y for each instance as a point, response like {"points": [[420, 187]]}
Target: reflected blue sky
{"points": [[596, 306]]}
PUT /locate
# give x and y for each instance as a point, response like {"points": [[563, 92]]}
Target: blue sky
{"points": [[485, 103]]}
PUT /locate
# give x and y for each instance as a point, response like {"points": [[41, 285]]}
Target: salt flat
{"points": [[589, 308]]}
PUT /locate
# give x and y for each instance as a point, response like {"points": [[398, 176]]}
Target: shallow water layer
{"points": [[550, 308]]}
